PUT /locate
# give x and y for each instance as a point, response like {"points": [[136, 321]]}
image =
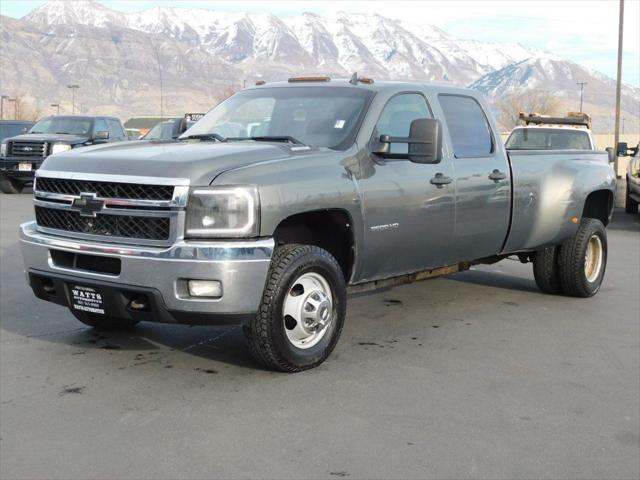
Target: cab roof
{"points": [[375, 86]]}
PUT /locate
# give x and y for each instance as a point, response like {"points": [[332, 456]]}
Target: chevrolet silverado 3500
{"points": [[287, 196]]}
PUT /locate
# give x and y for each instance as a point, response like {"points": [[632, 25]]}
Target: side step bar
{"points": [[374, 285]]}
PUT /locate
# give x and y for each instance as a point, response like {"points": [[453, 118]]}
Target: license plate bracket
{"points": [[87, 299]]}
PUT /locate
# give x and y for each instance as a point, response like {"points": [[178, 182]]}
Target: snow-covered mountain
{"points": [[341, 43], [198, 55]]}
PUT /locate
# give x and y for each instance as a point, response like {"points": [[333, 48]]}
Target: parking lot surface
{"points": [[473, 375]]}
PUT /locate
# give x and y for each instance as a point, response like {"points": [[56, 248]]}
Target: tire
{"points": [[581, 272], [102, 322], [9, 185], [545, 270], [630, 205], [299, 276]]}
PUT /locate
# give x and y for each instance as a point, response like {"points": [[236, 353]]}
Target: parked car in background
{"points": [[133, 133], [22, 155], [632, 197], [168, 129], [539, 132], [11, 128], [285, 195]]}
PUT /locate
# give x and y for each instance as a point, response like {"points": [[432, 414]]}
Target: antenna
{"points": [[354, 79]]}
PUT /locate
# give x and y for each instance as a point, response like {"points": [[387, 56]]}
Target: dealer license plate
{"points": [[24, 167], [87, 299]]}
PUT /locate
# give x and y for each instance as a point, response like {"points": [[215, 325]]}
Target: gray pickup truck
{"points": [[287, 196]]}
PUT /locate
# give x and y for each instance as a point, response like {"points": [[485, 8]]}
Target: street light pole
{"points": [[582, 84], [56, 105], [73, 88], [2, 98], [618, 84]]}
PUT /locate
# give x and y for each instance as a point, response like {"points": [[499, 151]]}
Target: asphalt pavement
{"points": [[476, 375]]}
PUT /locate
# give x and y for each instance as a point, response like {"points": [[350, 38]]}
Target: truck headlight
{"points": [[3, 150], [59, 147], [231, 211]]}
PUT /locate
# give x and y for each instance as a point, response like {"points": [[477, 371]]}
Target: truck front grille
{"points": [[132, 191], [27, 149], [124, 226]]}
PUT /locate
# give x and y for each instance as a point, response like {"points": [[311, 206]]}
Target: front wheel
{"points": [[9, 185], [583, 259], [302, 310]]}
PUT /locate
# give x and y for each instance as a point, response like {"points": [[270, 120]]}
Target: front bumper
{"points": [[158, 273], [9, 168]]}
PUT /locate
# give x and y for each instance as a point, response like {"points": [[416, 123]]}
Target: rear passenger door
{"points": [[483, 179]]}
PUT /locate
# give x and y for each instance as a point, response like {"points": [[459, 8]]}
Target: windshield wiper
{"points": [[272, 138], [205, 136]]}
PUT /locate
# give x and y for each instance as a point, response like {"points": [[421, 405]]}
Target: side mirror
{"points": [[424, 140], [612, 154], [621, 149], [101, 136]]}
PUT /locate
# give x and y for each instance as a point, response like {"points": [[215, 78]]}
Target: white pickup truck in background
{"points": [[540, 132]]}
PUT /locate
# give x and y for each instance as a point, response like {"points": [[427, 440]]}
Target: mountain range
{"points": [[198, 56]]}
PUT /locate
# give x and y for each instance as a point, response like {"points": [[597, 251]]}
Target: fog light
{"points": [[205, 288]]}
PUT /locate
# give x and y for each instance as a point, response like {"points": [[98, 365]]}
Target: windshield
{"points": [[70, 125], [548, 139], [12, 129], [316, 116]]}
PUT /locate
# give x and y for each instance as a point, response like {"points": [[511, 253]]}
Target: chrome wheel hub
{"points": [[307, 310], [593, 259]]}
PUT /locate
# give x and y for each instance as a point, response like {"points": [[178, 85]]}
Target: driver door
{"points": [[409, 221]]}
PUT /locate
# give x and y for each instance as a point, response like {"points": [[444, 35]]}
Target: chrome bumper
{"points": [[241, 266]]}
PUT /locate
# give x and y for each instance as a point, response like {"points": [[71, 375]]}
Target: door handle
{"points": [[440, 180], [497, 175]]}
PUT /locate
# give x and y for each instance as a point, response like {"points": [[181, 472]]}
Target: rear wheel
{"points": [[545, 270], [102, 322], [630, 205], [302, 310], [583, 259], [9, 185]]}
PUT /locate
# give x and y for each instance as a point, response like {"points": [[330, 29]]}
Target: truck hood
{"points": [[50, 138], [200, 162]]}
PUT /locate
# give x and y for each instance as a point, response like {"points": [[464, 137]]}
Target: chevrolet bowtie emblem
{"points": [[87, 205]]}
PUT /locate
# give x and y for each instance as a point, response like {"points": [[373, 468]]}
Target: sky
{"points": [[585, 31]]}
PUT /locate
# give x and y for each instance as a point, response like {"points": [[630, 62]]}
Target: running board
{"points": [[404, 279]]}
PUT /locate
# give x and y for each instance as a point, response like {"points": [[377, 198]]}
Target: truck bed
{"points": [[549, 188]]}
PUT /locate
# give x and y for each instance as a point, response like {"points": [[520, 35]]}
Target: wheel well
{"points": [[598, 205], [327, 229]]}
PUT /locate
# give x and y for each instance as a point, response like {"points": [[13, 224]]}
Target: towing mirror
{"points": [[621, 149], [612, 154], [101, 136], [424, 140]]}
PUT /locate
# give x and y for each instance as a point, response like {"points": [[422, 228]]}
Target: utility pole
{"points": [[73, 88], [2, 99], [582, 84], [56, 105], [618, 85], [15, 107], [155, 47]]}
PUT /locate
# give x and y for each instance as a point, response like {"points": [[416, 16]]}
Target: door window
{"points": [[468, 126], [397, 115], [116, 130], [101, 126]]}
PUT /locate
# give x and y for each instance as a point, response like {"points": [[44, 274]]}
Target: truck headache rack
{"points": [[575, 119]]}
